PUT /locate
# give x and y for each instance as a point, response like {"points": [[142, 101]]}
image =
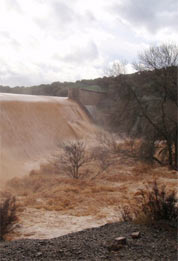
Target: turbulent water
{"points": [[32, 126]]}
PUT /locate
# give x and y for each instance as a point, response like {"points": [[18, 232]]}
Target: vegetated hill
{"points": [[108, 84], [58, 88], [54, 89]]}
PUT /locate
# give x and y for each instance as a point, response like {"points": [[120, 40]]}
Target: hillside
{"points": [[57, 88]]}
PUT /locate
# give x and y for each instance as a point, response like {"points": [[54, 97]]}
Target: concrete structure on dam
{"points": [[86, 97], [89, 99]]}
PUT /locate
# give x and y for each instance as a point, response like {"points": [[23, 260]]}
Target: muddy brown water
{"points": [[32, 126]]}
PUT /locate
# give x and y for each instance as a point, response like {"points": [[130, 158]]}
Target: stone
{"points": [[121, 240], [117, 244], [135, 235], [39, 254]]}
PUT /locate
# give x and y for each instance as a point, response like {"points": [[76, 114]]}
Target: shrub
{"points": [[103, 159], [7, 215], [73, 158], [108, 142], [155, 204]]}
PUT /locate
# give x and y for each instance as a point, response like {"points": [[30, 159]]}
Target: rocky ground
{"points": [[155, 243]]}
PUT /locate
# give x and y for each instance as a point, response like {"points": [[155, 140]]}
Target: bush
{"points": [[74, 157], [77, 161], [108, 142], [103, 159], [155, 204], [7, 215]]}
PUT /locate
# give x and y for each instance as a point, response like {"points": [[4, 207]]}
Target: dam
{"points": [[32, 126]]}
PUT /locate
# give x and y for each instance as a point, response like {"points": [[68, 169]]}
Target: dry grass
{"points": [[63, 193], [48, 189], [84, 197], [153, 203]]}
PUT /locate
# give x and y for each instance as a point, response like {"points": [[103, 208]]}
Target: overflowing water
{"points": [[32, 126]]}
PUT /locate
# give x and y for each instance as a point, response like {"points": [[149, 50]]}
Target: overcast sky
{"points": [[42, 41]]}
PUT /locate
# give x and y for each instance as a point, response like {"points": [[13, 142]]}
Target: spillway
{"points": [[32, 126]]}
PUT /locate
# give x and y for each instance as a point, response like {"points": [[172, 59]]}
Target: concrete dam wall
{"points": [[86, 97]]}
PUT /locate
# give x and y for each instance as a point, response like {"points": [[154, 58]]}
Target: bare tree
{"points": [[108, 141], [116, 69], [147, 101], [74, 157], [163, 62], [103, 158], [158, 57]]}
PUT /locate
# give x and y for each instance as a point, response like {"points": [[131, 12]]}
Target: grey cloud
{"points": [[9, 39], [45, 68], [90, 16], [13, 5], [61, 19], [153, 15], [63, 13], [60, 15], [65, 18], [82, 55], [12, 79]]}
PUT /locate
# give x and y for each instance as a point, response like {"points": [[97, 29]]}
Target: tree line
{"points": [[145, 104]]}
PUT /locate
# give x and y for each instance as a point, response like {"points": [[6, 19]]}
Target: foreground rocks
{"points": [[155, 243], [135, 234]]}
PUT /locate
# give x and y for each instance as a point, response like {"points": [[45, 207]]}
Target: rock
{"points": [[96, 244], [135, 235], [117, 244], [39, 254], [121, 240]]}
